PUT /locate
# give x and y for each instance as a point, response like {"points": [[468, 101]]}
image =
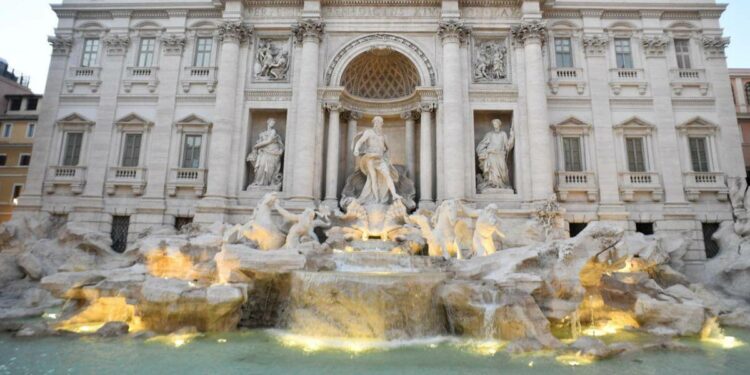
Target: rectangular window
{"points": [[32, 104], [24, 160], [15, 104], [203, 50], [131, 152], [563, 53], [572, 154], [17, 190], [30, 129], [7, 130], [699, 154], [181, 222], [90, 52], [146, 52], [623, 53], [682, 50], [72, 151], [191, 153], [636, 157], [712, 248], [646, 229], [3, 160], [119, 234]]}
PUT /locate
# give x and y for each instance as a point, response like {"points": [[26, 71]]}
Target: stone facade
{"points": [[740, 80], [619, 112]]}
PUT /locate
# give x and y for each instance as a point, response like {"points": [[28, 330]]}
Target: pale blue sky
{"points": [[25, 25]]}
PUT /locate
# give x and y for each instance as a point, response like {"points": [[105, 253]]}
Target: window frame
{"points": [[183, 150], [575, 128], [630, 56], [124, 155], [7, 128], [3, 160], [64, 154], [13, 196], [634, 165], [635, 127], [191, 125], [207, 55], [90, 59], [699, 127], [20, 159], [683, 58], [148, 54], [12, 107], [569, 53]]}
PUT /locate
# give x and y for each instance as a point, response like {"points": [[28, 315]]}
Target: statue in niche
{"points": [[266, 158], [371, 147], [272, 61], [489, 63], [493, 153]]}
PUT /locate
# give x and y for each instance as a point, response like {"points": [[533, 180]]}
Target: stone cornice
{"points": [[309, 29], [715, 46], [654, 45], [173, 44], [61, 44], [529, 31], [453, 31], [117, 44], [234, 31], [595, 44]]}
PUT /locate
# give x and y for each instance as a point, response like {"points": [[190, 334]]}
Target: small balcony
{"points": [[90, 76], [705, 182], [141, 75], [567, 77], [620, 78], [682, 78], [74, 177], [645, 182], [571, 182], [132, 177], [187, 178], [200, 75]]}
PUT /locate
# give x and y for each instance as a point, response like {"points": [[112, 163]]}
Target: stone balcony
{"points": [[685, 78], [623, 78], [73, 177], [90, 76], [197, 75], [132, 177], [705, 182], [187, 178], [560, 77], [577, 182], [141, 76], [641, 182]]}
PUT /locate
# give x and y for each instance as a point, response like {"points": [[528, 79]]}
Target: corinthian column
{"points": [[453, 33], [351, 132], [425, 155], [231, 34], [531, 35], [332, 164], [409, 118], [308, 32]]}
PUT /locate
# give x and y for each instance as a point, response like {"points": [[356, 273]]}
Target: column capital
{"points": [[715, 46], [427, 107], [61, 44], [595, 44], [655, 45], [453, 31], [117, 44], [308, 30], [533, 31], [353, 116], [410, 115], [234, 31], [333, 106], [173, 44]]}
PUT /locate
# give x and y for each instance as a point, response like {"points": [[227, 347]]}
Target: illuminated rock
{"points": [[667, 316]]}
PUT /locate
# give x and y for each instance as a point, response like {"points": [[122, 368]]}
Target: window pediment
{"points": [[74, 122], [698, 126], [635, 125], [571, 126], [194, 123], [133, 122]]}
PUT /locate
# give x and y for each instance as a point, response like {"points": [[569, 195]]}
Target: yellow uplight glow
{"points": [[177, 340], [714, 334], [485, 348], [605, 330], [576, 359]]}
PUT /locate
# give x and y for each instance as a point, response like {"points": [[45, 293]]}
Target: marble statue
{"points": [[272, 61], [266, 158], [446, 232], [371, 149], [489, 64], [493, 153], [303, 226], [262, 229], [485, 230]]}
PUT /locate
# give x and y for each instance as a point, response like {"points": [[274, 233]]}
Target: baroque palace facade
{"points": [[165, 112]]}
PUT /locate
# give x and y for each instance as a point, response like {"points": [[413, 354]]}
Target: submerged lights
{"points": [[714, 334], [176, 339], [576, 359], [486, 348]]}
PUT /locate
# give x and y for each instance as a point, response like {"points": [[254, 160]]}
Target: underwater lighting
{"points": [[50, 316], [221, 341], [726, 342], [485, 348], [176, 340], [576, 359], [608, 329]]}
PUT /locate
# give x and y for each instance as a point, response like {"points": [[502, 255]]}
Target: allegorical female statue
{"points": [[371, 148], [493, 152], [266, 157]]}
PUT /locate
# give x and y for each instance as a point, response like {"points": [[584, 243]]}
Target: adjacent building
{"points": [[18, 118], [740, 79], [621, 111]]}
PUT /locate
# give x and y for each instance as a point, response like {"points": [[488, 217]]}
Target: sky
{"points": [[25, 25]]}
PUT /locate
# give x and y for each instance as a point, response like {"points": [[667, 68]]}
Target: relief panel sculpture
{"points": [[490, 61], [272, 60]]}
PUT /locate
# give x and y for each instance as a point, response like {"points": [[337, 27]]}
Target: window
{"points": [[636, 157], [119, 234], [7, 130], [30, 129], [17, 190], [32, 104], [146, 52], [131, 152], [572, 154], [645, 228], [699, 154], [563, 53], [15, 104], [203, 50], [90, 52], [24, 160], [181, 222], [577, 228], [3, 160], [623, 53], [72, 150], [712, 248], [747, 92], [682, 50], [191, 156]]}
